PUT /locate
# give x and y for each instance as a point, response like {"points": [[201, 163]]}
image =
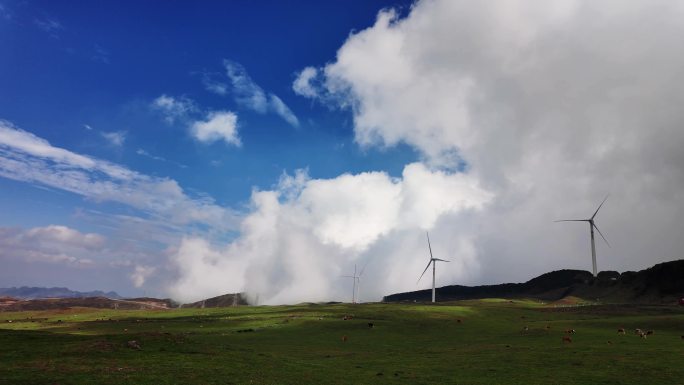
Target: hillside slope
{"points": [[661, 283]]}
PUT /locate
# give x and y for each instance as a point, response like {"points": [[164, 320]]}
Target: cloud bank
{"points": [[302, 236], [524, 113], [550, 106]]}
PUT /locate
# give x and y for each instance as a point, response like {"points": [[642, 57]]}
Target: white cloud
{"points": [[50, 244], [303, 235], [26, 157], [303, 85], [63, 234], [550, 105], [250, 95], [58, 255], [220, 125], [174, 108], [116, 138], [140, 274]]}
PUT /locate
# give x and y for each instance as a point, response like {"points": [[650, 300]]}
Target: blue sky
{"points": [[101, 65], [192, 149]]}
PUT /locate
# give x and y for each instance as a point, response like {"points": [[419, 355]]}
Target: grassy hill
{"points": [[492, 341], [662, 283]]}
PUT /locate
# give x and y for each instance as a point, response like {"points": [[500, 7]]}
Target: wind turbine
{"points": [[357, 281], [592, 226], [433, 261]]}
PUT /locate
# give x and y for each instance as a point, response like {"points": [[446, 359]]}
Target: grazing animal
{"points": [[567, 339], [649, 333], [621, 331], [610, 343], [526, 328], [642, 335], [570, 331], [548, 327], [134, 345], [370, 325], [344, 338], [637, 331], [459, 321]]}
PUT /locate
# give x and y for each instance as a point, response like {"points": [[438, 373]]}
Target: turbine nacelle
{"points": [[592, 226], [432, 261]]}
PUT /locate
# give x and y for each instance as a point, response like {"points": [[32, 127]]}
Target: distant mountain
{"points": [[52, 292], [220, 301], [661, 283], [10, 304]]}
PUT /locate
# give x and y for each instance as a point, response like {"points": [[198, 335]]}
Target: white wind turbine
{"points": [[433, 261], [357, 281], [592, 226]]}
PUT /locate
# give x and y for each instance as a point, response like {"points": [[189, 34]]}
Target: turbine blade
{"points": [[429, 247], [437, 259], [427, 267], [599, 231], [573, 220], [364, 268], [599, 208]]}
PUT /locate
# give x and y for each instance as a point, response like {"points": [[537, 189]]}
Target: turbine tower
{"points": [[592, 226], [433, 261], [356, 279]]}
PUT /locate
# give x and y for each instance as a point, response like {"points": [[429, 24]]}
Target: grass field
{"points": [[409, 343]]}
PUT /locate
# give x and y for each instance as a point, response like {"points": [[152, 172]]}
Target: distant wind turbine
{"points": [[433, 261], [357, 281], [592, 226]]}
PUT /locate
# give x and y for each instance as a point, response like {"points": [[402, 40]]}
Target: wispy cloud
{"points": [[174, 108], [213, 85], [283, 110], [144, 153], [248, 93], [100, 55], [26, 157], [49, 25], [5, 13], [115, 138]]}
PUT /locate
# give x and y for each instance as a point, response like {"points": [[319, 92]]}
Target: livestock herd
{"points": [[566, 338]]}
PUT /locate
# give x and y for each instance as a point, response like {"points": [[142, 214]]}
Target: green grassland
{"points": [[465, 342]]}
